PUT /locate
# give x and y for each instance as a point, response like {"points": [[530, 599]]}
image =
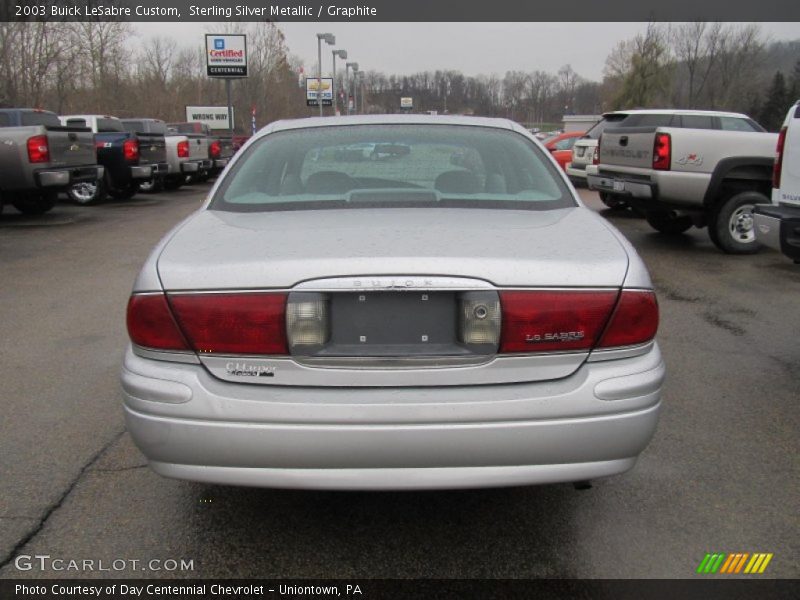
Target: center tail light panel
{"points": [[289, 337]]}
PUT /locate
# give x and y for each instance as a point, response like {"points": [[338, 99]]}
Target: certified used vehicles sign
{"points": [[226, 55]]}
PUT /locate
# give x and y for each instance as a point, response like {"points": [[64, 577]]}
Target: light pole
{"points": [[354, 66], [330, 39], [343, 55]]}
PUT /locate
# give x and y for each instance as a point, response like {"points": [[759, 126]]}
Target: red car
{"points": [[561, 146]]}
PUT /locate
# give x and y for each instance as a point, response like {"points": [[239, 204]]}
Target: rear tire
{"points": [[731, 226], [668, 221], [152, 186], [35, 204], [88, 193], [173, 183], [613, 201], [126, 193]]}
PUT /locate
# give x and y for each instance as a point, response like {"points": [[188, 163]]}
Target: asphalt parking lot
{"points": [[721, 474]]}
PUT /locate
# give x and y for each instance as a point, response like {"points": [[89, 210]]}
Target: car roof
{"points": [[675, 111], [412, 119]]}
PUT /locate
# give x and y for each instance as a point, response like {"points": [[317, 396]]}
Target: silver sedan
{"points": [[449, 317]]}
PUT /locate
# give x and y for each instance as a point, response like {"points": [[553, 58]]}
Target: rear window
{"points": [[133, 126], [697, 122], [649, 120], [739, 124], [608, 121], [358, 166], [47, 119], [109, 125]]}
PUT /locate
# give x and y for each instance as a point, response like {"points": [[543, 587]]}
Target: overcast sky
{"points": [[472, 48]]}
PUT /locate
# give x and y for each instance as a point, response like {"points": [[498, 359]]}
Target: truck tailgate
{"points": [[628, 147], [70, 147], [198, 147], [152, 148]]}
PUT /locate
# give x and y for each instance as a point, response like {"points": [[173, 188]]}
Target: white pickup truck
{"points": [[684, 168], [777, 225]]}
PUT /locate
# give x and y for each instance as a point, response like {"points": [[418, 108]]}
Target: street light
{"points": [[343, 55], [330, 39], [354, 66]]}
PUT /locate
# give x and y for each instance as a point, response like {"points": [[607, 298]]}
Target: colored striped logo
{"points": [[735, 563]]}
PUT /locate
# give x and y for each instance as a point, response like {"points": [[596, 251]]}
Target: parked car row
{"points": [[91, 157]]}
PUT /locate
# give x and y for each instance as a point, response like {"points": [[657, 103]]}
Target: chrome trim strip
{"points": [[624, 352], [186, 356]]}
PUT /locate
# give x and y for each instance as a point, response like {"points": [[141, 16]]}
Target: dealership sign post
{"points": [[226, 58]]}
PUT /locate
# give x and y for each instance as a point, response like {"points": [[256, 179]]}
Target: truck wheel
{"points": [[613, 201], [36, 204], [152, 186], [731, 225], [173, 183], [126, 193], [87, 193], [668, 221]]}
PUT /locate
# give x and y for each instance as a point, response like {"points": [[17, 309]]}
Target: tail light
{"points": [[130, 149], [38, 150], [635, 320], [778, 165], [307, 321], [596, 155], [183, 149], [479, 318], [214, 150], [247, 323], [150, 323], [544, 321], [662, 152]]}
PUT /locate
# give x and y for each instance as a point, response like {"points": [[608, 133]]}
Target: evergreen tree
{"points": [[776, 104]]}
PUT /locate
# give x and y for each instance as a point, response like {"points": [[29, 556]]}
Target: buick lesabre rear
{"points": [[445, 316]]}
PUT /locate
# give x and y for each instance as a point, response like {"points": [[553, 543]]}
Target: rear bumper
{"points": [[142, 172], [622, 186], [778, 227], [159, 169], [221, 163], [62, 178], [190, 167], [592, 424], [576, 172]]}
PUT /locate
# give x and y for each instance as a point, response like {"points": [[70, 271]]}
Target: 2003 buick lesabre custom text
{"points": [[393, 302]]}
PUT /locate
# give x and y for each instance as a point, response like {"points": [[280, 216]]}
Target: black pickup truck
{"points": [[39, 158], [119, 152], [152, 149]]}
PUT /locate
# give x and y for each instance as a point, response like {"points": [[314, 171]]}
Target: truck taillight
{"points": [[214, 150], [777, 166], [244, 323], [596, 155], [130, 149], [553, 321], [662, 152], [38, 150], [183, 149]]}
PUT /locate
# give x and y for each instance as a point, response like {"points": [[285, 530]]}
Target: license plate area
{"points": [[403, 324]]}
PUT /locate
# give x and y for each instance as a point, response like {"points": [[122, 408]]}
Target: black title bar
{"points": [[401, 10]]}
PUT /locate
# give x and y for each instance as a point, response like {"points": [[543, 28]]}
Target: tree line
{"points": [[89, 67]]}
